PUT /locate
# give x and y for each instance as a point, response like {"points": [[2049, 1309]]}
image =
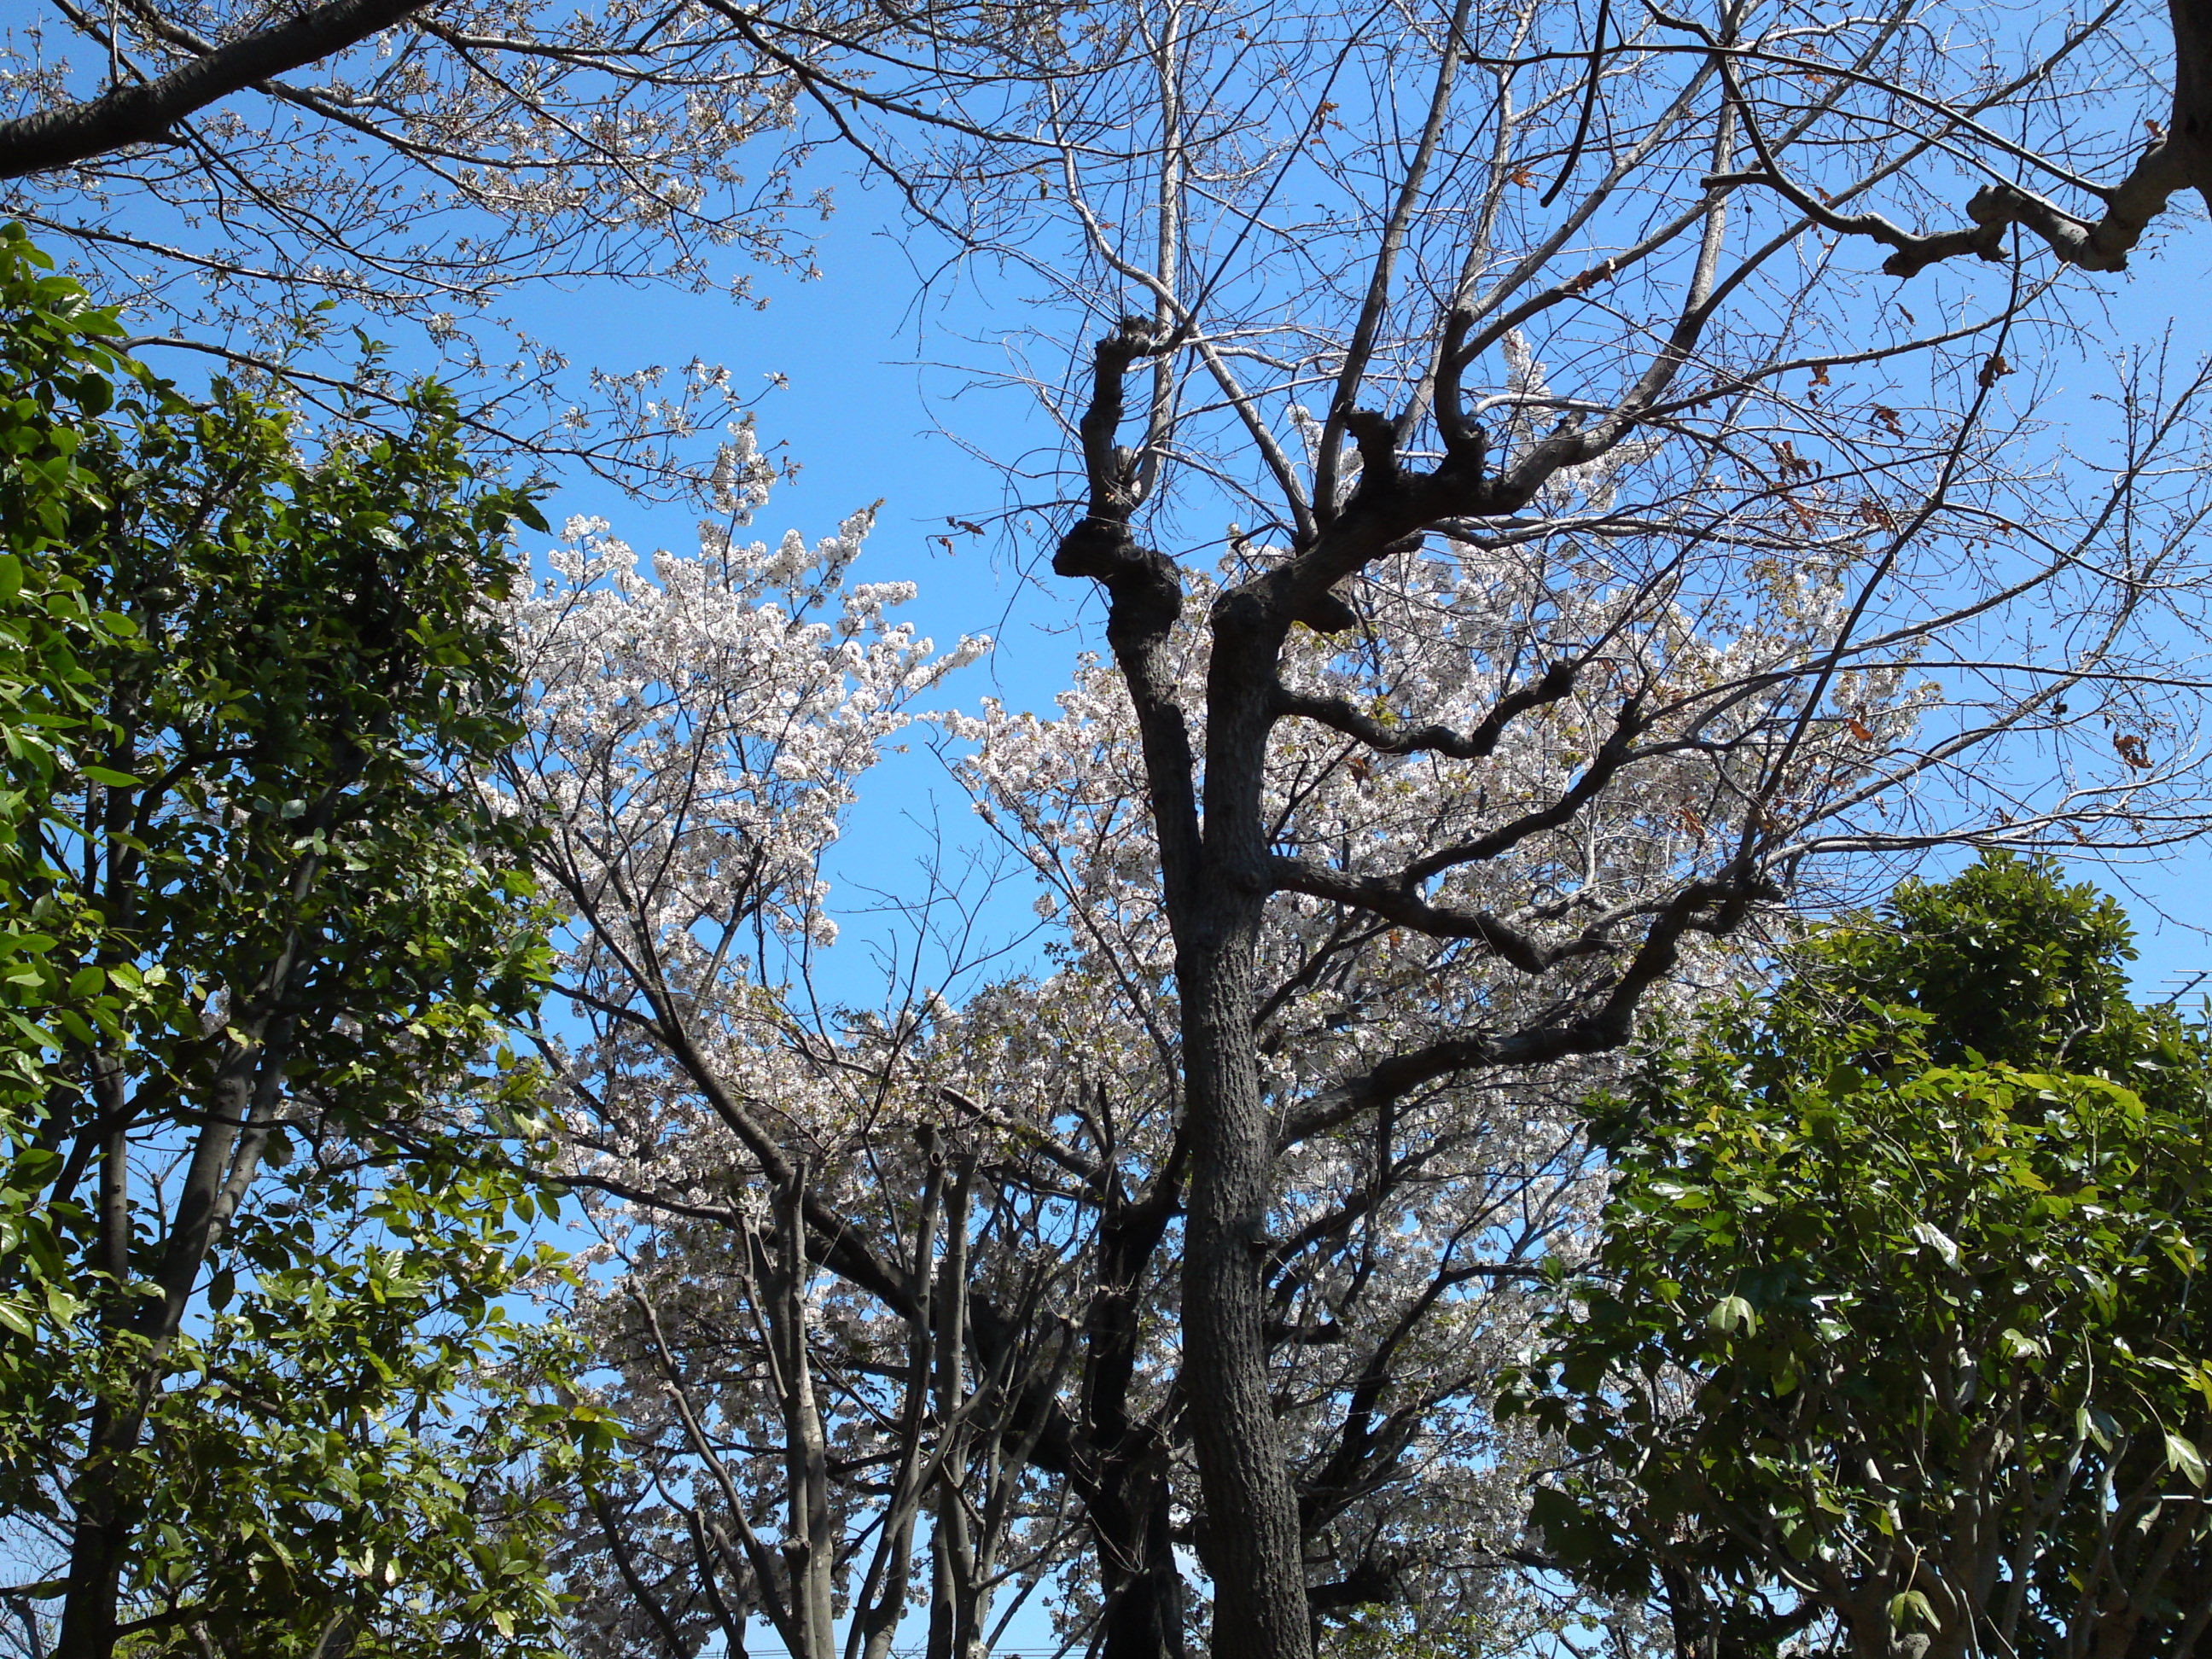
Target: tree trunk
{"points": [[1215, 877], [223, 1162], [954, 1614], [1141, 1587], [96, 1544], [1249, 1536], [810, 1547]]}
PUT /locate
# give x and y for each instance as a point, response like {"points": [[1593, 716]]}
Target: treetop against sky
{"points": [[1550, 497]]}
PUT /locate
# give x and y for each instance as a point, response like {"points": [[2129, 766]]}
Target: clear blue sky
{"points": [[863, 412], [869, 398]]}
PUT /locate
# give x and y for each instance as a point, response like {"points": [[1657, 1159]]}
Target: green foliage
{"points": [[259, 935], [57, 380], [362, 1446], [2006, 962], [1886, 1330]]}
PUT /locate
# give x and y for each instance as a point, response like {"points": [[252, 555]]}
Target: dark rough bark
{"points": [[1116, 1462], [1142, 1591], [955, 1629], [145, 113], [1251, 1538], [1140, 1587]]}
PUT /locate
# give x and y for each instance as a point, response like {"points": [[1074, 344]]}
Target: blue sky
{"points": [[868, 400], [864, 409]]}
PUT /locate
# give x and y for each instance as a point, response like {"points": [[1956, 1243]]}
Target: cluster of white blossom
{"points": [[695, 737]]}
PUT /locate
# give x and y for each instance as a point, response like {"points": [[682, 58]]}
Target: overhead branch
{"points": [[1714, 906], [1395, 897], [1339, 715], [147, 112], [2179, 158], [1144, 590], [1615, 752], [1391, 506], [1395, 902]]}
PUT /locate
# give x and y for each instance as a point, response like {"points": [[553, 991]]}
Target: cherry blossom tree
{"points": [[694, 737], [1608, 567], [867, 1275], [1773, 579], [258, 180], [989, 1194], [935, 1269], [874, 1279], [1527, 572]]}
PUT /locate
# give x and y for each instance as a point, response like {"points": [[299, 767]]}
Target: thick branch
{"points": [[145, 114], [1396, 898], [1394, 902], [1715, 906], [1144, 593], [1339, 715], [840, 1248], [2175, 163], [1387, 512], [2178, 159], [1617, 750]]}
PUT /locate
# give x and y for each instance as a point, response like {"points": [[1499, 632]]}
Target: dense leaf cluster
{"points": [[1896, 1328], [259, 935]]}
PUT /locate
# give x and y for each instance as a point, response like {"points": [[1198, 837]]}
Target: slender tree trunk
{"points": [[96, 1550], [224, 1158], [952, 1602], [1690, 1614], [882, 1601], [1140, 1586], [809, 1546], [96, 1564]]}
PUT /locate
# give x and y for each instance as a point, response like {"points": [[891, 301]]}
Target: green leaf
{"points": [[1909, 1610], [1938, 1241], [1730, 1312], [2185, 1460]]}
